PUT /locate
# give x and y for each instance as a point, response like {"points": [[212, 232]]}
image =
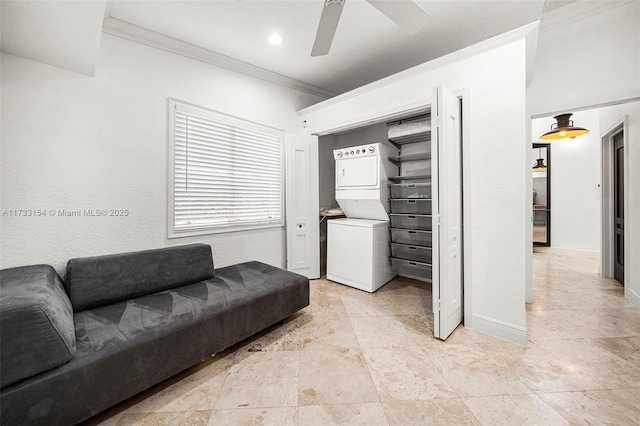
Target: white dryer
{"points": [[362, 172]]}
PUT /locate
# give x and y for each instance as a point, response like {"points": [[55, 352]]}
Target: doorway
{"points": [[541, 175], [448, 303], [614, 245], [618, 205]]}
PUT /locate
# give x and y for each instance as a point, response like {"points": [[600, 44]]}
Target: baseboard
{"points": [[566, 251], [500, 329], [633, 297]]}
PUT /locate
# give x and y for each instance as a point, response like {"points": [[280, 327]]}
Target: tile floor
{"points": [[357, 358]]}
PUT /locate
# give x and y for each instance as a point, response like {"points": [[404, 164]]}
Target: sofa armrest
{"points": [[36, 323]]}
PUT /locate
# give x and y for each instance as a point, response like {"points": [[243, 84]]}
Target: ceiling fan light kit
{"points": [[564, 128], [407, 14]]}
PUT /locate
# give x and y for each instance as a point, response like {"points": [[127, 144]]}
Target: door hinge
{"points": [[438, 305], [438, 222]]}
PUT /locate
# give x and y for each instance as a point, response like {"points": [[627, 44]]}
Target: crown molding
{"points": [[576, 11], [128, 31]]}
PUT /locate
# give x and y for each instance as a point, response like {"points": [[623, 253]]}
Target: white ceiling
{"points": [[233, 34], [65, 34], [367, 45]]}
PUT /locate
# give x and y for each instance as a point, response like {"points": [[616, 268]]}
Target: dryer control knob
{"points": [[339, 154], [372, 148]]}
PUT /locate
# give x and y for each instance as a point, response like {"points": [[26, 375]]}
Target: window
{"points": [[226, 173]]}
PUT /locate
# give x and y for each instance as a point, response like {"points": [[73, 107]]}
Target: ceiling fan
{"points": [[405, 13]]}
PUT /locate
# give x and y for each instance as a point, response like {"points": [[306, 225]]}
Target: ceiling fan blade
{"points": [[327, 26], [406, 13]]}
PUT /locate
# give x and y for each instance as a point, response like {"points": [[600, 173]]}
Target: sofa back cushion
{"points": [[36, 323], [102, 280]]}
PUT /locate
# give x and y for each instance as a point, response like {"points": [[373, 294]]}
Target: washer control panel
{"points": [[357, 151]]}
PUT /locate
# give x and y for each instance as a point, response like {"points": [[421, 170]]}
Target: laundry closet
{"points": [[487, 85], [419, 232]]}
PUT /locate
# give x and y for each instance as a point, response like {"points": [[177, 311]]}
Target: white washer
{"points": [[358, 253]]}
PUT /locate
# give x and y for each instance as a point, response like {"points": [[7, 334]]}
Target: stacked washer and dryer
{"points": [[358, 251]]}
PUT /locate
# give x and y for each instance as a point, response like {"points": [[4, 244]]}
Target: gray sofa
{"points": [[119, 324]]}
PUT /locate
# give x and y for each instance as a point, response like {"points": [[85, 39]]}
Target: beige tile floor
{"points": [[355, 358]]}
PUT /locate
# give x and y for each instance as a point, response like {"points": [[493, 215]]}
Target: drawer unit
{"points": [[411, 190], [417, 253], [411, 221], [410, 236], [410, 269], [411, 206]]}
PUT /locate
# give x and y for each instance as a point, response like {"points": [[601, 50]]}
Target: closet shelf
{"points": [[410, 157], [398, 179], [418, 137]]}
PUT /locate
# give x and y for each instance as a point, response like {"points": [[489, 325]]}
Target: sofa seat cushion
{"points": [[102, 280], [36, 323], [109, 328]]}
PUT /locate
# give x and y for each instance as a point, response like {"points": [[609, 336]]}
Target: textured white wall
{"points": [[75, 142], [497, 172], [327, 170], [575, 176], [368, 134]]}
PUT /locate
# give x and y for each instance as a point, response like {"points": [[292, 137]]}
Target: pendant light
{"points": [[564, 128], [539, 166]]}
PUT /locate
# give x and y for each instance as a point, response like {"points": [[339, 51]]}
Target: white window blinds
{"points": [[227, 172]]}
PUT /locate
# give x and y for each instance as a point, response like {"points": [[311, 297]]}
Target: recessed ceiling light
{"points": [[276, 39]]}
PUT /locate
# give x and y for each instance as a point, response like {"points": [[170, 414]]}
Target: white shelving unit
{"points": [[411, 206]]}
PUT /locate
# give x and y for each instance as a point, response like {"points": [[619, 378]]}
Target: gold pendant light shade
{"points": [[563, 128], [539, 166]]}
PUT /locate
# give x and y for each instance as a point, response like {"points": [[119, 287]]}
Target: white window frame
{"points": [[225, 120]]}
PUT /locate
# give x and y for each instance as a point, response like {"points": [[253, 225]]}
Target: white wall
{"points": [[608, 118], [588, 54], [327, 168], [74, 142], [497, 205], [368, 134], [575, 176]]}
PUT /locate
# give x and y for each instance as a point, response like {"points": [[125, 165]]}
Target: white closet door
{"points": [[302, 209], [447, 213]]}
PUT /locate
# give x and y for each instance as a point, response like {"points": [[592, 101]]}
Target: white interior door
{"points": [[302, 194], [447, 212]]}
